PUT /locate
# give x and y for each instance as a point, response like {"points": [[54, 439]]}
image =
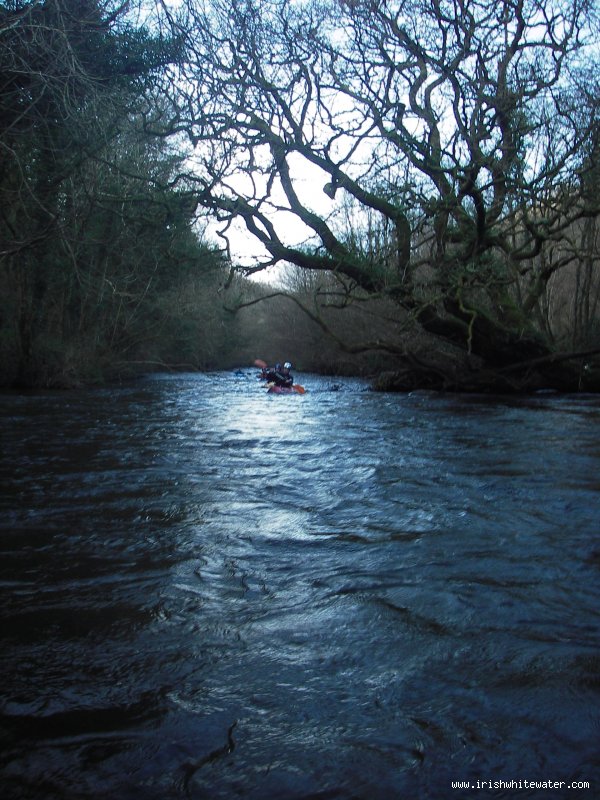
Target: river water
{"points": [[209, 592]]}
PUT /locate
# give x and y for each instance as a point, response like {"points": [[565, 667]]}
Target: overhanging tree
{"points": [[457, 130]]}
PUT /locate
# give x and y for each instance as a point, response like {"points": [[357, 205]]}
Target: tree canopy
{"points": [[434, 161], [435, 153]]}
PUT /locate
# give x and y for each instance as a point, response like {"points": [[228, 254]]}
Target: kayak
{"points": [[284, 390]]}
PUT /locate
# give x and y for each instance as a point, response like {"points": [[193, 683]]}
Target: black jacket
{"points": [[280, 378]]}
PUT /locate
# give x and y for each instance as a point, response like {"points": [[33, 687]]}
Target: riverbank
{"points": [[443, 372]]}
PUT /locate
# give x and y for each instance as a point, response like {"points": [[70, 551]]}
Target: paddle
{"points": [[258, 362]]}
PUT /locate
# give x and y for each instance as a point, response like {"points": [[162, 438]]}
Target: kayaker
{"points": [[281, 376]]}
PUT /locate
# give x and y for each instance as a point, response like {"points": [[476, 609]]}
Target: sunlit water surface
{"points": [[209, 592]]}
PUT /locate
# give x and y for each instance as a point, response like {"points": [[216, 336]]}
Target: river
{"points": [[209, 592]]}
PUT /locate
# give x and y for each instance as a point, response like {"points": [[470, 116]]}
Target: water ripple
{"points": [[378, 594]]}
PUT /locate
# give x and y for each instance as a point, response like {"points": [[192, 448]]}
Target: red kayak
{"points": [[295, 389]]}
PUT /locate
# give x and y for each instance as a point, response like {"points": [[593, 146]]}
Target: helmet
{"points": [[287, 365], [277, 366]]}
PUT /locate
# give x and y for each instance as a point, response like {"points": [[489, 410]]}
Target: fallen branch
{"points": [[551, 358]]}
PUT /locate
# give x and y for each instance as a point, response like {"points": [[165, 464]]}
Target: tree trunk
{"points": [[497, 359]]}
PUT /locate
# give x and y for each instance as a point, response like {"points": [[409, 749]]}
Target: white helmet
{"points": [[287, 365]]}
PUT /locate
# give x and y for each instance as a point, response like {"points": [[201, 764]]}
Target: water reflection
{"points": [[383, 593]]}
